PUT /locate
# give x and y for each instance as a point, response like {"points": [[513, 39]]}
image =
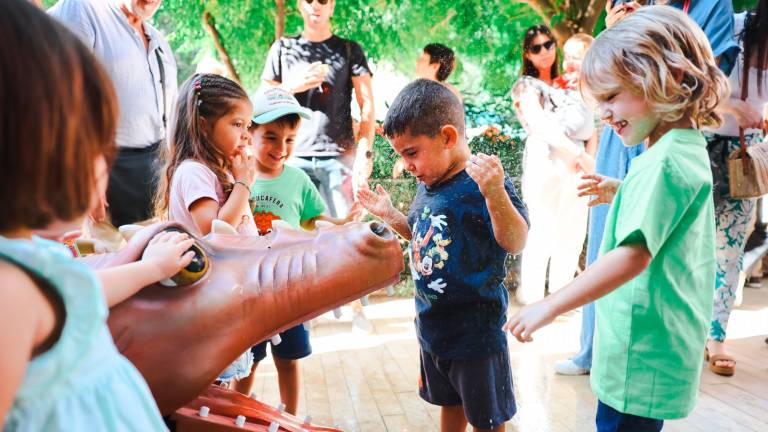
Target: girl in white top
{"points": [[733, 216], [558, 125]]}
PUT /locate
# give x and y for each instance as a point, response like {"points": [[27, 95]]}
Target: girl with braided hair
{"points": [[206, 173]]}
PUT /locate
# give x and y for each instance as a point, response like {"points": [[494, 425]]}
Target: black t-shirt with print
{"points": [[458, 269], [329, 132]]}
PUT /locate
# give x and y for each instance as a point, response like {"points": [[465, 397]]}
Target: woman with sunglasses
{"points": [[558, 125]]}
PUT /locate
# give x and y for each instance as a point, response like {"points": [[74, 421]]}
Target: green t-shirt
{"points": [[651, 331], [291, 197]]}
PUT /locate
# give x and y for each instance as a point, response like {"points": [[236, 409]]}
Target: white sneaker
{"points": [[568, 367], [361, 323]]}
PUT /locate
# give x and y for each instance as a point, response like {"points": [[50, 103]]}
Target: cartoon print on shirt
{"points": [[263, 220], [427, 251]]}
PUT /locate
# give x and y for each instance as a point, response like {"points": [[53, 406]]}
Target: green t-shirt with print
{"points": [[651, 331], [291, 197]]}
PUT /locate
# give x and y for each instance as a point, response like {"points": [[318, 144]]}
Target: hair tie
{"points": [[198, 87]]}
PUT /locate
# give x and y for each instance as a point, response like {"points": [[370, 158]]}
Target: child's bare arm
{"points": [[354, 214], [235, 207], [22, 309], [509, 228], [244, 172], [165, 255], [380, 205], [608, 273]]}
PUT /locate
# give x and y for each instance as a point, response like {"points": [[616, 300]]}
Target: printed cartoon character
{"points": [[264, 221], [427, 251]]}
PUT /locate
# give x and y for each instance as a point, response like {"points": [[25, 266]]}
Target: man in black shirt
{"points": [[321, 69]]}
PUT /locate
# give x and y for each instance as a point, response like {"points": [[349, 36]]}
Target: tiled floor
{"points": [[368, 382]]}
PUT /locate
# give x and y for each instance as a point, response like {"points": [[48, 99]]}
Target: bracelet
{"points": [[242, 183]]}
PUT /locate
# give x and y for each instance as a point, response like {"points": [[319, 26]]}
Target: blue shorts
{"points": [[294, 345], [482, 386], [611, 420]]}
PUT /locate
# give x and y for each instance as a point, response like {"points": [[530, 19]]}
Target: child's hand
{"points": [[614, 14], [529, 319], [487, 172], [601, 187], [169, 252], [377, 203], [356, 212], [243, 166]]}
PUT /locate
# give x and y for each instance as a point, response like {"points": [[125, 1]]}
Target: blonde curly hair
{"points": [[661, 54]]}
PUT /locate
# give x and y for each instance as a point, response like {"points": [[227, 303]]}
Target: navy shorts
{"points": [[294, 345], [611, 420], [482, 386]]}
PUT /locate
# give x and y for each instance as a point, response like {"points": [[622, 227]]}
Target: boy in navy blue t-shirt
{"points": [[465, 218]]}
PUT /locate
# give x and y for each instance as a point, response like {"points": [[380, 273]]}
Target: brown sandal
{"points": [[720, 370]]}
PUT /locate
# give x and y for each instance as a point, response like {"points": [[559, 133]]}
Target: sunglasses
{"points": [[535, 49], [322, 2]]}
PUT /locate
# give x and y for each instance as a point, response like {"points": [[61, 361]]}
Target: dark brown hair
{"points": [[439, 53], [423, 107], [528, 69], [755, 43], [59, 116], [202, 96]]}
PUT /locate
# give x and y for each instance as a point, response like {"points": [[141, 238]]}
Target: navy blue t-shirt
{"points": [[458, 269]]}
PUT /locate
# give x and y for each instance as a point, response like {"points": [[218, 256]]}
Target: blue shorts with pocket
{"points": [[294, 345], [482, 386]]}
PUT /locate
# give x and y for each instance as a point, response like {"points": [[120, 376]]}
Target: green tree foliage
{"points": [[485, 35]]}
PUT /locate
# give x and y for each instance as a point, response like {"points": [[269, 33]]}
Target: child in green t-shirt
{"points": [[654, 79], [282, 193]]}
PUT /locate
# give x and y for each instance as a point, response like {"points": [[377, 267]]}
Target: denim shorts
{"points": [[239, 369], [482, 386], [293, 346]]}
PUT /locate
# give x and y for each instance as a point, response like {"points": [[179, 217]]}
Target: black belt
{"points": [[148, 149]]}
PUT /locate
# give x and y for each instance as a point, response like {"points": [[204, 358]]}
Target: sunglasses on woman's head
{"points": [[322, 2], [535, 49]]}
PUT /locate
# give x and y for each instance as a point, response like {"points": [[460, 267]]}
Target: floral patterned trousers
{"points": [[732, 221]]}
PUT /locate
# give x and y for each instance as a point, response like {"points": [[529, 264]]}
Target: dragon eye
{"points": [[192, 272]]}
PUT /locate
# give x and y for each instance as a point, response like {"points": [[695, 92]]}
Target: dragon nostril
{"points": [[381, 230]]}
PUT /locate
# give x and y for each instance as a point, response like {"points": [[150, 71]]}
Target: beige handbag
{"points": [[748, 166]]}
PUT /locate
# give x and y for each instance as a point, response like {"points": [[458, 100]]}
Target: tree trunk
{"points": [[580, 15], [279, 19], [210, 25]]}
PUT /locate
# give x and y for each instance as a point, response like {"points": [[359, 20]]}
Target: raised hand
{"points": [[377, 203], [487, 172], [243, 166], [619, 12], [602, 188], [312, 77], [169, 252]]}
